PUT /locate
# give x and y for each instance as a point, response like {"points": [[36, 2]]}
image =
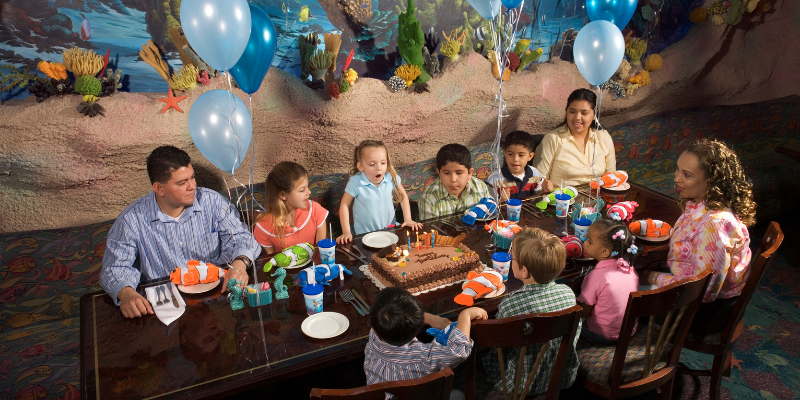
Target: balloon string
{"points": [[232, 125]]}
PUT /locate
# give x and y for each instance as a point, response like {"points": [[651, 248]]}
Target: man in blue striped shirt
{"points": [[171, 225]]}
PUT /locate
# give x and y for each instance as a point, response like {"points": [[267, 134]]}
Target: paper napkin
{"points": [[166, 312]]}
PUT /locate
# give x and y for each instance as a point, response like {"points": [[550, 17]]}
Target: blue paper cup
{"points": [[501, 262], [327, 251], [313, 296], [582, 228], [562, 204], [514, 208]]}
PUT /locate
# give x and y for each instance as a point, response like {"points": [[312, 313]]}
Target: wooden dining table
{"points": [[213, 351]]}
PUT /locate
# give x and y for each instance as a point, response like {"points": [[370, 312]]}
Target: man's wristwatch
{"points": [[246, 260]]}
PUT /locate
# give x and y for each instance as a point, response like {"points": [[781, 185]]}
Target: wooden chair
{"points": [[521, 331], [435, 386], [645, 360], [721, 347]]}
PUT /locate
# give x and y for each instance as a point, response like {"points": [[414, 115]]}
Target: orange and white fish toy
{"points": [[195, 272], [611, 179], [622, 210], [479, 285], [574, 246], [496, 226], [650, 228]]}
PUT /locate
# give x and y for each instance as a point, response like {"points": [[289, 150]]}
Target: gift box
{"points": [[260, 297]]}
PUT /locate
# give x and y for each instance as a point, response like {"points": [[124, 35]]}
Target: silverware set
{"points": [[162, 290], [353, 253], [532, 209], [355, 300]]}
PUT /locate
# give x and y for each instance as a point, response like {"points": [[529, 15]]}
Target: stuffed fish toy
{"points": [[195, 272], [479, 285], [291, 256], [442, 335], [574, 246], [622, 211], [322, 273], [610, 180], [650, 228], [503, 225], [485, 207]]}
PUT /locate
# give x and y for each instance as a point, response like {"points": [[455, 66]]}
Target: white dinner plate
{"points": [[300, 265], [325, 325], [490, 294], [621, 188], [653, 239], [199, 288], [379, 240], [583, 259]]}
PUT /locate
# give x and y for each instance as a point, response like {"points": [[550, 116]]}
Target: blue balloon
{"points": [[217, 30], [486, 8], [618, 12], [211, 119], [251, 68], [598, 51], [509, 4]]}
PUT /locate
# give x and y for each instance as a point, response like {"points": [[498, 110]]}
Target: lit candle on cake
{"points": [[417, 233], [408, 236], [433, 238]]}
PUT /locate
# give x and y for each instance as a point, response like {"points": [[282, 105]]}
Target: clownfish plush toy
{"points": [[195, 272], [613, 179], [574, 246], [622, 210], [650, 228], [485, 207], [479, 285], [290, 257]]}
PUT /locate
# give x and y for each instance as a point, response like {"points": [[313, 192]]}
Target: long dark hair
{"points": [[578, 95], [615, 243]]}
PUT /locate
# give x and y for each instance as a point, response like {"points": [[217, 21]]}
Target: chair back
{"points": [[435, 386], [522, 331], [758, 264], [679, 302]]}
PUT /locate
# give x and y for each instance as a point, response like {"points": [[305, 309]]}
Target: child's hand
{"points": [[474, 313], [411, 224], [344, 238], [436, 321], [547, 186]]}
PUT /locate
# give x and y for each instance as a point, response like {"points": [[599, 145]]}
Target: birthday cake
{"points": [[446, 261]]}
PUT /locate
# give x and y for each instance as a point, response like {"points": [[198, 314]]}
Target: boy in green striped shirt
{"points": [[456, 189]]}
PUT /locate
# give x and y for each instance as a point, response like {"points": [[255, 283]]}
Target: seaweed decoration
{"points": [[348, 60], [152, 56], [184, 78], [16, 78], [307, 44], [90, 109], [111, 82], [82, 62], [410, 40], [332, 43]]}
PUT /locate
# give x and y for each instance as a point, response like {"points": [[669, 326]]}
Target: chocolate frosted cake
{"points": [[446, 262]]}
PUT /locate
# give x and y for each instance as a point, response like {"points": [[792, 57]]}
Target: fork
{"points": [[347, 296], [158, 294], [164, 290]]}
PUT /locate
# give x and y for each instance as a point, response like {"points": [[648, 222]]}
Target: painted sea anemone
{"points": [[408, 72], [450, 49], [184, 78], [635, 49], [82, 62]]}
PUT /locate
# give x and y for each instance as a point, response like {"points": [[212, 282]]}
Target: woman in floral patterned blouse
{"points": [[717, 202]]}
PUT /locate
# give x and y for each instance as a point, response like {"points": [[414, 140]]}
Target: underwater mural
{"points": [[32, 31]]}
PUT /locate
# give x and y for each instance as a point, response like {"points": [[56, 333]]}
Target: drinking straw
{"points": [[331, 227]]}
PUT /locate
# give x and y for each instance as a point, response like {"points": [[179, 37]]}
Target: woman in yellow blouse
{"points": [[576, 151]]}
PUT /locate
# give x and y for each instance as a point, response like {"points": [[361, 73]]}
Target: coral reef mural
{"points": [[32, 31]]}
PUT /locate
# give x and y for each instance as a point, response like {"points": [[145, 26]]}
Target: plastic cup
{"points": [[562, 204], [513, 208], [313, 296], [327, 251], [582, 228], [501, 262]]}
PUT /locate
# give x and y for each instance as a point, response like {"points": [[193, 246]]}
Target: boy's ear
{"points": [[471, 171]]}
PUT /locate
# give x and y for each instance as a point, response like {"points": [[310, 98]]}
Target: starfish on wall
{"points": [[171, 101]]}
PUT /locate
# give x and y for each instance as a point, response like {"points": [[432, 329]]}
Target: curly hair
{"points": [[728, 187]]}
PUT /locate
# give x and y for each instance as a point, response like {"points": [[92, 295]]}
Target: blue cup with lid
{"points": [[514, 209], [327, 251], [501, 262], [313, 297]]}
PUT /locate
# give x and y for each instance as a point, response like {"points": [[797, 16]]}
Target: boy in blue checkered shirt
{"points": [[537, 260]]}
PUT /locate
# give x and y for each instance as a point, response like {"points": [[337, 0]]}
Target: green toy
{"points": [[235, 297], [291, 257], [550, 199], [410, 40], [281, 291]]}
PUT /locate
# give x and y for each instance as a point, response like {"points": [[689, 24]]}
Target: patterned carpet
{"points": [[43, 274]]}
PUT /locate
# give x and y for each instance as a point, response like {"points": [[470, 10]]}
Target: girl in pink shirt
{"points": [[290, 217], [605, 290]]}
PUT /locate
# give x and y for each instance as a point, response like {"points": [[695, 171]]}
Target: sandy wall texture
{"points": [[59, 168]]}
